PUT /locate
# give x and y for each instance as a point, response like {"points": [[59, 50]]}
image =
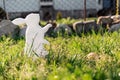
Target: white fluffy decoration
{"points": [[34, 35]]}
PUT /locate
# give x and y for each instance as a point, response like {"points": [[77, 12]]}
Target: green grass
{"points": [[66, 60], [68, 20]]}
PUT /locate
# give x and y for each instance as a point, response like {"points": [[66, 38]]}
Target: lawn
{"points": [[67, 59]]}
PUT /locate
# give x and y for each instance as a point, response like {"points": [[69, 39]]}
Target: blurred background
{"points": [[54, 9]]}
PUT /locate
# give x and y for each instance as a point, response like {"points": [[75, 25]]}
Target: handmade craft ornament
{"points": [[34, 44]]}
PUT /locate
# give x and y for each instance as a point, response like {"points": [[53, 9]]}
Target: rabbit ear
{"points": [[18, 21]]}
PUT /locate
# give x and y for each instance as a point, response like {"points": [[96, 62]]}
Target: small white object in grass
{"points": [[34, 35], [92, 56]]}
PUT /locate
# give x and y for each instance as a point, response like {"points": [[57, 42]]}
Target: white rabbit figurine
{"points": [[34, 35]]}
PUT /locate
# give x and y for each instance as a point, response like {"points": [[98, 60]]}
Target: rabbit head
{"points": [[32, 19]]}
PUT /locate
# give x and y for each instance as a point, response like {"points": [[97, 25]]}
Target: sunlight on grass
{"points": [[66, 60]]}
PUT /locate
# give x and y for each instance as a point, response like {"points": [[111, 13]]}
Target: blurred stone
{"points": [[115, 27], [7, 28], [78, 27], [71, 26], [2, 14], [22, 31], [63, 29], [0, 20], [105, 21], [116, 19], [85, 27], [50, 32], [116, 22], [89, 26]]}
